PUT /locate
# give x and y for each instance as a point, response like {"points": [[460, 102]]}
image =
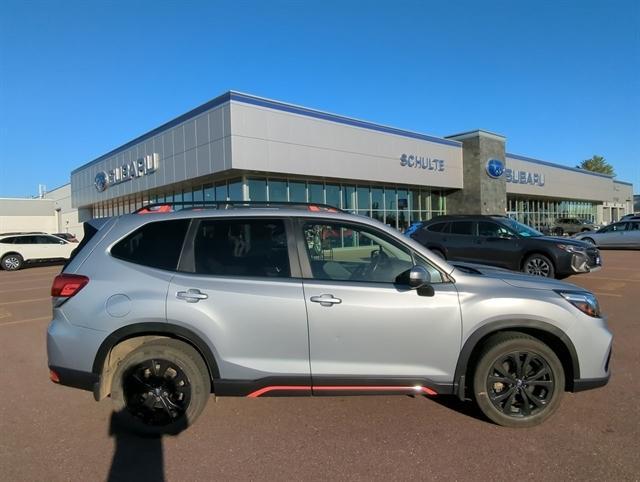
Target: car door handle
{"points": [[326, 300], [191, 295]]}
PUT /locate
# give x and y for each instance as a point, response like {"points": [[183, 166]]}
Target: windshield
{"points": [[522, 229]]}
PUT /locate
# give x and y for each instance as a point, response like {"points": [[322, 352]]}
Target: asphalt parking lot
{"points": [[49, 432]]}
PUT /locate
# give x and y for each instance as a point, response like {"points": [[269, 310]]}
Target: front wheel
{"points": [[589, 240], [161, 387], [518, 381], [539, 265], [12, 262]]}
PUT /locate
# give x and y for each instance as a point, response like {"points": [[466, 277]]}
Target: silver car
{"points": [[158, 310], [623, 234]]}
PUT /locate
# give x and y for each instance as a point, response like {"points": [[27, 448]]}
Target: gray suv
{"points": [[159, 309]]}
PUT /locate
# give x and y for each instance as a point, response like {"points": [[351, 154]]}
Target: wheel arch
{"points": [[552, 336], [138, 334]]}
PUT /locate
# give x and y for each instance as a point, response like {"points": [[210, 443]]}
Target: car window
{"points": [[157, 244], [242, 247], [633, 226], [48, 240], [437, 227], [462, 227], [613, 228], [9, 240], [492, 230], [344, 252], [25, 240]]}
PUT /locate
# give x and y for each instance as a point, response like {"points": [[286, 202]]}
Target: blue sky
{"points": [[561, 79]]}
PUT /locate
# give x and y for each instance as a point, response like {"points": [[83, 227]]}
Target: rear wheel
{"points": [[12, 262], [161, 387], [518, 381], [539, 265]]}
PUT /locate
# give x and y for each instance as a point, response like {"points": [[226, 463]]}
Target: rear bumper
{"points": [[75, 378]]}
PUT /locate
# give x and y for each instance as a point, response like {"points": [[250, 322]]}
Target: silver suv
{"points": [[159, 309]]}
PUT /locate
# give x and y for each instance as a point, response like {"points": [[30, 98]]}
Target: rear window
{"points": [[462, 227], [157, 244], [8, 240]]}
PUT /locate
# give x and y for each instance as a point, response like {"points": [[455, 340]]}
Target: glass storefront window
{"points": [[277, 190], [235, 191], [333, 195], [377, 198], [316, 193], [364, 199], [349, 198], [198, 195], [257, 190], [297, 192]]}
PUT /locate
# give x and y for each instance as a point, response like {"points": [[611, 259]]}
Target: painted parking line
{"points": [[32, 300], [30, 320], [602, 293], [623, 280], [43, 287], [34, 280]]}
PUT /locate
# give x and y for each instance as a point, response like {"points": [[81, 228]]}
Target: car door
{"points": [[497, 245], [29, 247], [238, 289], [364, 326], [58, 247], [612, 235], [461, 241], [632, 235]]}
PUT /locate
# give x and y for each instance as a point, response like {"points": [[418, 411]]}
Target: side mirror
{"points": [[418, 277]]}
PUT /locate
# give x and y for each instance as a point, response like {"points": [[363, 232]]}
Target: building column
{"points": [[485, 190]]}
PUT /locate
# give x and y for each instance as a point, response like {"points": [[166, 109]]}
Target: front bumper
{"points": [[582, 384]]}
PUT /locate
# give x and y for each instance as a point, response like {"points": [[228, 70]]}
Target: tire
{"points": [[174, 374], [539, 265], [513, 400], [438, 253], [589, 240], [558, 231], [12, 262]]}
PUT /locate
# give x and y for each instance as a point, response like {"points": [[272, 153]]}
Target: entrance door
{"points": [[365, 326]]}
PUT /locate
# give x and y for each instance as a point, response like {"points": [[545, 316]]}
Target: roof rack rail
{"points": [[168, 207], [22, 232]]}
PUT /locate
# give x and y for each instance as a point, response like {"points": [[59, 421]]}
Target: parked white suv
{"points": [[16, 249]]}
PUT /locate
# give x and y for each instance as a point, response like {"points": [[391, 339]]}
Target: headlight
{"points": [[570, 248], [584, 301]]}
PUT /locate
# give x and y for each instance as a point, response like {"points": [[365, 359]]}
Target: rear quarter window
{"points": [[157, 244], [437, 227]]}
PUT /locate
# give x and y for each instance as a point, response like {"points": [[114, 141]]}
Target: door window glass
{"points": [[462, 227], [341, 252], [492, 230], [634, 226], [437, 228], [241, 247]]}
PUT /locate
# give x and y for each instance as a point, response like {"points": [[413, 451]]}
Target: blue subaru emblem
{"points": [[101, 181], [495, 168]]}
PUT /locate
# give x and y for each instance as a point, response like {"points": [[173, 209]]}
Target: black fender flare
{"points": [[511, 325], [160, 329]]}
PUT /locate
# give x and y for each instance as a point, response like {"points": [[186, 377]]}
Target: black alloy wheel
{"points": [[161, 387], [518, 380], [520, 384], [157, 392]]}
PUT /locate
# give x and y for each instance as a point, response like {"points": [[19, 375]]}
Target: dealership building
{"points": [[243, 147]]}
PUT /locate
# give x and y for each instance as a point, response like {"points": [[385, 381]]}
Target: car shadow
{"points": [[468, 408], [136, 457]]}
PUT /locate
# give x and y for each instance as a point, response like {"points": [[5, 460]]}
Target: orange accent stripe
{"points": [[262, 391]]}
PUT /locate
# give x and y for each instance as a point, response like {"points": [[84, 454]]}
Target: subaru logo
{"points": [[101, 181], [495, 168]]}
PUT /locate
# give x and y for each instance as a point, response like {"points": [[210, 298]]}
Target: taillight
{"points": [[68, 285]]}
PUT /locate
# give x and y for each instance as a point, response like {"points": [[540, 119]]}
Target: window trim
{"points": [[186, 262], [305, 263]]}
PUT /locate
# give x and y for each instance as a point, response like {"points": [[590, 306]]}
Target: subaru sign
{"points": [[495, 168], [126, 172]]}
